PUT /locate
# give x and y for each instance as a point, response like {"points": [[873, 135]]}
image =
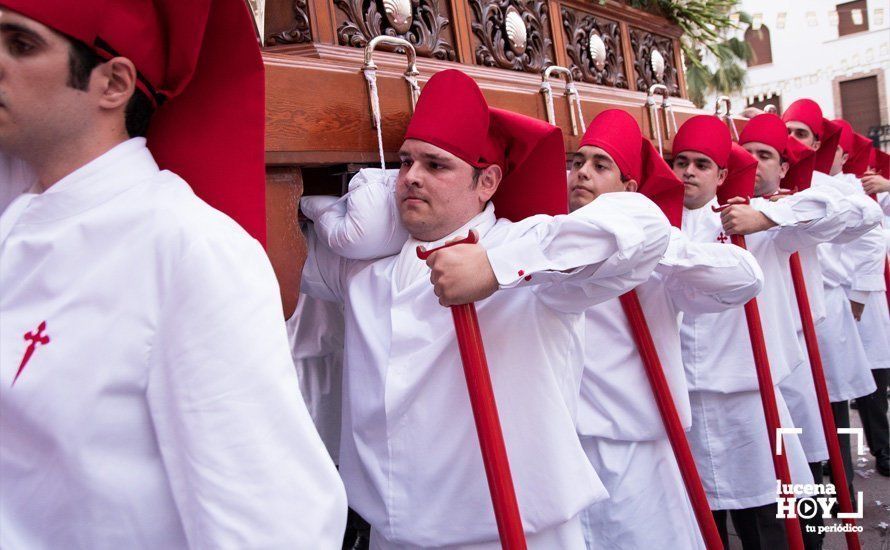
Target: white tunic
{"points": [[409, 453], [874, 327], [798, 388], [850, 270], [728, 436], [716, 350], [315, 331], [163, 411], [616, 398]]}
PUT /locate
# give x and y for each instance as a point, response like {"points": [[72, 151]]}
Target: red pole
{"points": [[828, 427], [770, 410], [485, 415], [630, 302]]}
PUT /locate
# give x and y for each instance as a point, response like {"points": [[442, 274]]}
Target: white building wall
{"points": [[809, 60]]}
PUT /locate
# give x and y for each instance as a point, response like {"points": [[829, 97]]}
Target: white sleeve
{"points": [[708, 277], [246, 466], [594, 254], [804, 219], [864, 260], [364, 223], [859, 211], [322, 275]]}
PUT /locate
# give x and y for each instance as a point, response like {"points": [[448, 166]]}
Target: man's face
{"points": [[435, 190], [593, 173], [770, 168], [802, 133], [38, 108], [700, 176], [837, 165]]}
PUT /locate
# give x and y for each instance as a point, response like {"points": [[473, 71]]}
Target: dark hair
{"points": [[476, 173], [81, 62]]}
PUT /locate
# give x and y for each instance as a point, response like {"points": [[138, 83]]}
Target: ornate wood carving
{"points": [[428, 30], [578, 27], [642, 44], [299, 32], [493, 47]]}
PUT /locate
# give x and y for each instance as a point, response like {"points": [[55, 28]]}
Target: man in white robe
{"points": [[846, 283], [873, 407], [782, 160], [409, 453], [147, 394], [728, 436], [874, 323], [619, 424]]}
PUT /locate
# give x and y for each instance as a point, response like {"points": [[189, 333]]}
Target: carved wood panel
{"points": [[424, 23], [298, 30], [582, 48], [643, 45], [512, 34]]}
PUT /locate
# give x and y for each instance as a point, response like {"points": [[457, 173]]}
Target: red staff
{"points": [[485, 414], [630, 302], [740, 183]]}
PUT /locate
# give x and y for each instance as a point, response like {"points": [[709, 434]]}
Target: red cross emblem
{"points": [[36, 337], [722, 237]]}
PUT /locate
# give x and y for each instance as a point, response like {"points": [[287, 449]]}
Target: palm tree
{"points": [[714, 63]]}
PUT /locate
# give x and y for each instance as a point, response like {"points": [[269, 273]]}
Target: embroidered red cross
{"points": [[722, 237], [36, 337]]}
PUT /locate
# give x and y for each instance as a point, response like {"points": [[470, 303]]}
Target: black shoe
{"points": [[882, 465]]}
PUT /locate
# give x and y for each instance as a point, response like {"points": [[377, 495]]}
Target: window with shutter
{"points": [[761, 49], [849, 22], [860, 104]]}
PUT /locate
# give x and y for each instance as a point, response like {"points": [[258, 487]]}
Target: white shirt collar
{"points": [[94, 183]]}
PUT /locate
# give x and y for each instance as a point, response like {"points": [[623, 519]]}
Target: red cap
{"points": [[618, 134], [858, 162], [742, 171], [767, 129], [806, 111], [831, 135], [452, 114], [200, 60], [846, 141], [801, 164], [707, 135], [880, 162]]}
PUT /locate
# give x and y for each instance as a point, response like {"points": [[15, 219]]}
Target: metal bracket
{"points": [[370, 70], [571, 92], [726, 103], [652, 107]]}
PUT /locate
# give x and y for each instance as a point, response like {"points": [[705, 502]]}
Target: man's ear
{"points": [[844, 158], [816, 145], [721, 176], [784, 167], [116, 79], [489, 179], [631, 185]]}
